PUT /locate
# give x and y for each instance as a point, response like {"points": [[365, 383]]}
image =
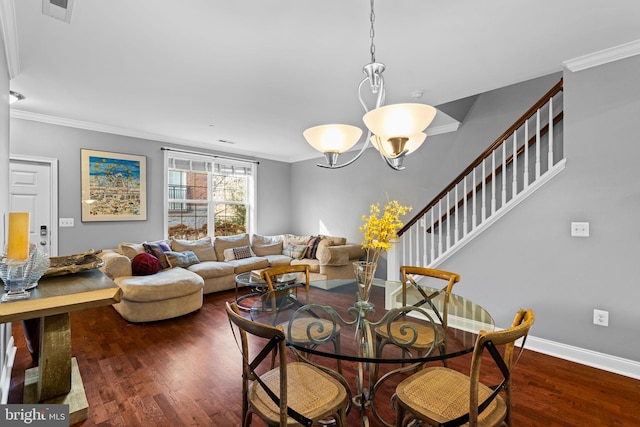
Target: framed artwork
{"points": [[114, 186]]}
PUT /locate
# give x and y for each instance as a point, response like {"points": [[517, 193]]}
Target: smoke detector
{"points": [[59, 9]]}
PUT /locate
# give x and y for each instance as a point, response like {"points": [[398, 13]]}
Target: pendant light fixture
{"points": [[394, 130]]}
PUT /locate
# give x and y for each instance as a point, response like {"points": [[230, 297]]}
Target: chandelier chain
{"points": [[372, 33]]}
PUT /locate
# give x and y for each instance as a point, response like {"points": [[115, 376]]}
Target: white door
{"points": [[30, 191]]}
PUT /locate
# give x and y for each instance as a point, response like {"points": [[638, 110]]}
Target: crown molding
{"points": [[78, 124], [602, 57], [10, 36], [437, 130]]}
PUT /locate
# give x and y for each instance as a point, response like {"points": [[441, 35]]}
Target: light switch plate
{"points": [[66, 222]]}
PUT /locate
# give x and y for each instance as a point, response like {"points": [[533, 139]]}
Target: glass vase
{"points": [[364, 272]]}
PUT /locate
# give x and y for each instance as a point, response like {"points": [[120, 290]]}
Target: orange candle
{"points": [[18, 239]]}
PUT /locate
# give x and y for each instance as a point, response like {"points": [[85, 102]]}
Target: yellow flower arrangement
{"points": [[380, 231]]}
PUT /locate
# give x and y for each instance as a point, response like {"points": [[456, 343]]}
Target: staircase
{"points": [[520, 161]]}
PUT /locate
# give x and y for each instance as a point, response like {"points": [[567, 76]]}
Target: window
{"points": [[208, 196]]}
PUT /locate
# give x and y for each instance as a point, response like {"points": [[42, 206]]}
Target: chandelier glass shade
{"points": [[397, 124], [394, 130], [333, 138]]}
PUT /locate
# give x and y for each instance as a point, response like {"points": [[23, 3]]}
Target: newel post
{"points": [[393, 260]]}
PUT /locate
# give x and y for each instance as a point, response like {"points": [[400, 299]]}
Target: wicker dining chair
{"points": [[289, 394], [303, 331], [441, 396], [392, 334]]}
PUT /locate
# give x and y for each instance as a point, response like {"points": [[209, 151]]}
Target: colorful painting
{"points": [[113, 186]]}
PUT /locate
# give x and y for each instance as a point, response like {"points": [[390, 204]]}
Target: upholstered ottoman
{"points": [[166, 294]]}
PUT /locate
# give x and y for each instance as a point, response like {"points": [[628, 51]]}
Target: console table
{"points": [[57, 379]]}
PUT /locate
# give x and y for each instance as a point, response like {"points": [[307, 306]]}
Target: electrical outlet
{"points": [[579, 229], [600, 317]]}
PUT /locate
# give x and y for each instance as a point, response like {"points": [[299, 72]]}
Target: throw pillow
{"points": [[238, 253], [203, 248], [144, 264], [181, 259], [312, 247], [292, 239], [130, 250], [242, 252], [295, 251], [266, 245], [225, 242], [156, 250]]}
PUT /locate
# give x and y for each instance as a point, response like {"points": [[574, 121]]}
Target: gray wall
{"points": [[64, 143], [528, 259]]}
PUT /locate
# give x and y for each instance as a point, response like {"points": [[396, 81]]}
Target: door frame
{"points": [[53, 188]]}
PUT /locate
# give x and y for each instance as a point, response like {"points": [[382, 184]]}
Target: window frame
{"points": [[210, 162]]}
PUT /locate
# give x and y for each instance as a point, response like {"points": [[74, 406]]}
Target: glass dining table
{"points": [[382, 342]]}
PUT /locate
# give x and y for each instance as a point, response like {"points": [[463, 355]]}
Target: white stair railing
{"points": [[521, 160]]}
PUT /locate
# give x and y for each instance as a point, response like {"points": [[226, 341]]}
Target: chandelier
{"points": [[394, 130]]}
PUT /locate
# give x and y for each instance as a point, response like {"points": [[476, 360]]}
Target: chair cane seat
{"points": [[441, 394], [310, 392], [309, 330], [424, 334]]}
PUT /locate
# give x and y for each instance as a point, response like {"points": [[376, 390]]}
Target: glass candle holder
{"points": [[21, 276], [15, 280]]}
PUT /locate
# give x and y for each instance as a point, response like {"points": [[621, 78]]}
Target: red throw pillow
{"points": [[144, 264]]}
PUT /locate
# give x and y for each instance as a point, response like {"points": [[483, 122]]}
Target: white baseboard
{"points": [[607, 362]]}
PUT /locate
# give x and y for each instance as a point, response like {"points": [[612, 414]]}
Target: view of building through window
{"points": [[205, 193]]}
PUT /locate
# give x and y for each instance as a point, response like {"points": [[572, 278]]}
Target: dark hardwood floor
{"points": [[186, 372]]}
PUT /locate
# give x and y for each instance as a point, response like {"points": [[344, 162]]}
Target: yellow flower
{"points": [[379, 231]]}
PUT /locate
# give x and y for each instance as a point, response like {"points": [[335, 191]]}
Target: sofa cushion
{"points": [[144, 264], [165, 284], [266, 245], [248, 264], [295, 251], [181, 259], [212, 269], [203, 248], [334, 241], [157, 249], [130, 250], [225, 242], [278, 260]]}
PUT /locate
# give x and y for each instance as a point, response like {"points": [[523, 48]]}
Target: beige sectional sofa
{"points": [[177, 289]]}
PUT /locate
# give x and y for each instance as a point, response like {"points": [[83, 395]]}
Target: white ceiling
{"points": [[259, 72]]}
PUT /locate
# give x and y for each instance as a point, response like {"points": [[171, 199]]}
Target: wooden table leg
{"points": [[54, 378], [57, 378]]}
